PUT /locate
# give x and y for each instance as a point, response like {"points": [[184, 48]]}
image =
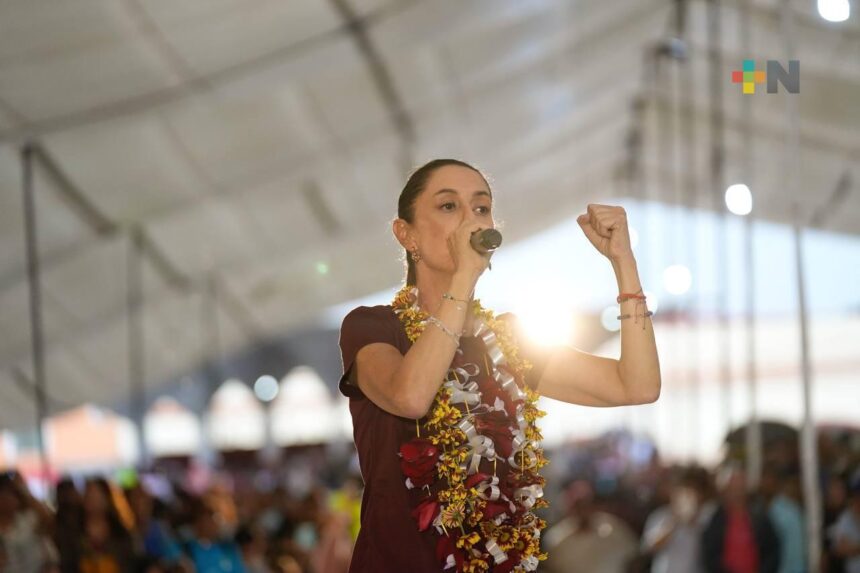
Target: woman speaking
{"points": [[443, 392]]}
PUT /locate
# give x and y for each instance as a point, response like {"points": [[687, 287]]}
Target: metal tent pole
{"points": [[753, 437], [689, 198], [717, 175], [136, 340], [808, 446], [35, 295]]}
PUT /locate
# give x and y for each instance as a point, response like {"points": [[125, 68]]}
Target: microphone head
{"points": [[487, 240]]}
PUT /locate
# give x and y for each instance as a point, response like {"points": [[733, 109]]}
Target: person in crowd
{"points": [[287, 552], [588, 540], [253, 545], [209, 550], [781, 492], [68, 518], [100, 540], [846, 530], [739, 537], [333, 551], [835, 501], [152, 535], [672, 533], [25, 527]]}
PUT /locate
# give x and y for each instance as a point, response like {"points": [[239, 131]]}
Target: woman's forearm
{"points": [[638, 367], [424, 366]]}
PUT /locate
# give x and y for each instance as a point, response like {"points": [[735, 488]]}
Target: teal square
{"points": [[749, 65]]}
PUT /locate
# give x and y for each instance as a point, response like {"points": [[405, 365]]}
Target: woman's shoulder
{"points": [[375, 312], [380, 317]]}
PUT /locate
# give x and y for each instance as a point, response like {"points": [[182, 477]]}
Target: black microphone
{"points": [[486, 240]]}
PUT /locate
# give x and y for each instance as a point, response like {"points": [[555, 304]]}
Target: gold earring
{"points": [[415, 256]]}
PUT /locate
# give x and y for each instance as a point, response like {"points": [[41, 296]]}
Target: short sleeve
{"points": [[534, 353], [362, 326]]}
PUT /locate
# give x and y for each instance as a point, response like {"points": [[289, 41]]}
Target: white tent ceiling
{"points": [[250, 140]]}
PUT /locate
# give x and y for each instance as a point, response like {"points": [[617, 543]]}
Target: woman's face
{"points": [[451, 195]]}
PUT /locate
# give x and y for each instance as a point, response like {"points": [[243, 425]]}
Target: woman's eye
{"points": [[445, 205], [486, 210]]}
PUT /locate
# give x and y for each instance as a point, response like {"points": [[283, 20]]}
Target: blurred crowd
{"points": [[100, 527], [700, 522], [612, 510]]}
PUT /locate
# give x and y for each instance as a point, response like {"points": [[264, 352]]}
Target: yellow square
{"points": [[749, 88]]}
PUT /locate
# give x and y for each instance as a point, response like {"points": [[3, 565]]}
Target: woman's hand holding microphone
{"points": [[469, 264]]}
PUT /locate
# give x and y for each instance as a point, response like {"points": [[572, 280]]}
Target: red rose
{"points": [[493, 390], [495, 509], [447, 545], [496, 426], [508, 566], [425, 513], [475, 479], [418, 461]]}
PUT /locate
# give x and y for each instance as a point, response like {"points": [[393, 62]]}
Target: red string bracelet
{"points": [[627, 295]]}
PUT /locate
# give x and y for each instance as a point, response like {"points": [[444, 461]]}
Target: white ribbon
{"points": [[499, 556], [509, 384], [528, 457], [492, 486], [479, 445], [529, 563], [464, 393], [464, 373], [527, 496]]}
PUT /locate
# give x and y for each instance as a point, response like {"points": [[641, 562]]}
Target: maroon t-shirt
{"points": [[389, 540]]}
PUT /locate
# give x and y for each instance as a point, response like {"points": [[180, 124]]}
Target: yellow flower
{"points": [[468, 541], [475, 566]]}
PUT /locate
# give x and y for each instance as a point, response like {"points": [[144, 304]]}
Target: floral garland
{"points": [[485, 524]]}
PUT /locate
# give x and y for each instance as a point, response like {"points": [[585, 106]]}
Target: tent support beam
{"points": [[35, 296]]}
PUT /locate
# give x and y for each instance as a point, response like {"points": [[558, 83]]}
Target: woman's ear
{"points": [[403, 233]]}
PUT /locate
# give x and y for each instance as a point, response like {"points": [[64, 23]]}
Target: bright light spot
{"points": [[322, 268], [834, 10], [634, 237], [677, 279], [609, 319], [739, 199], [266, 388], [546, 313]]}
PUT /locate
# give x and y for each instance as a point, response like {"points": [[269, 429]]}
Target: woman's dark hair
{"points": [[414, 187], [118, 527]]}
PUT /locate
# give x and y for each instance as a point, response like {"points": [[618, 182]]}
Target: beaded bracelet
{"points": [[645, 314], [449, 296], [454, 300], [433, 320]]}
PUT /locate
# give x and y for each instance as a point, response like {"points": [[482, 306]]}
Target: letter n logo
{"points": [[776, 74]]}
